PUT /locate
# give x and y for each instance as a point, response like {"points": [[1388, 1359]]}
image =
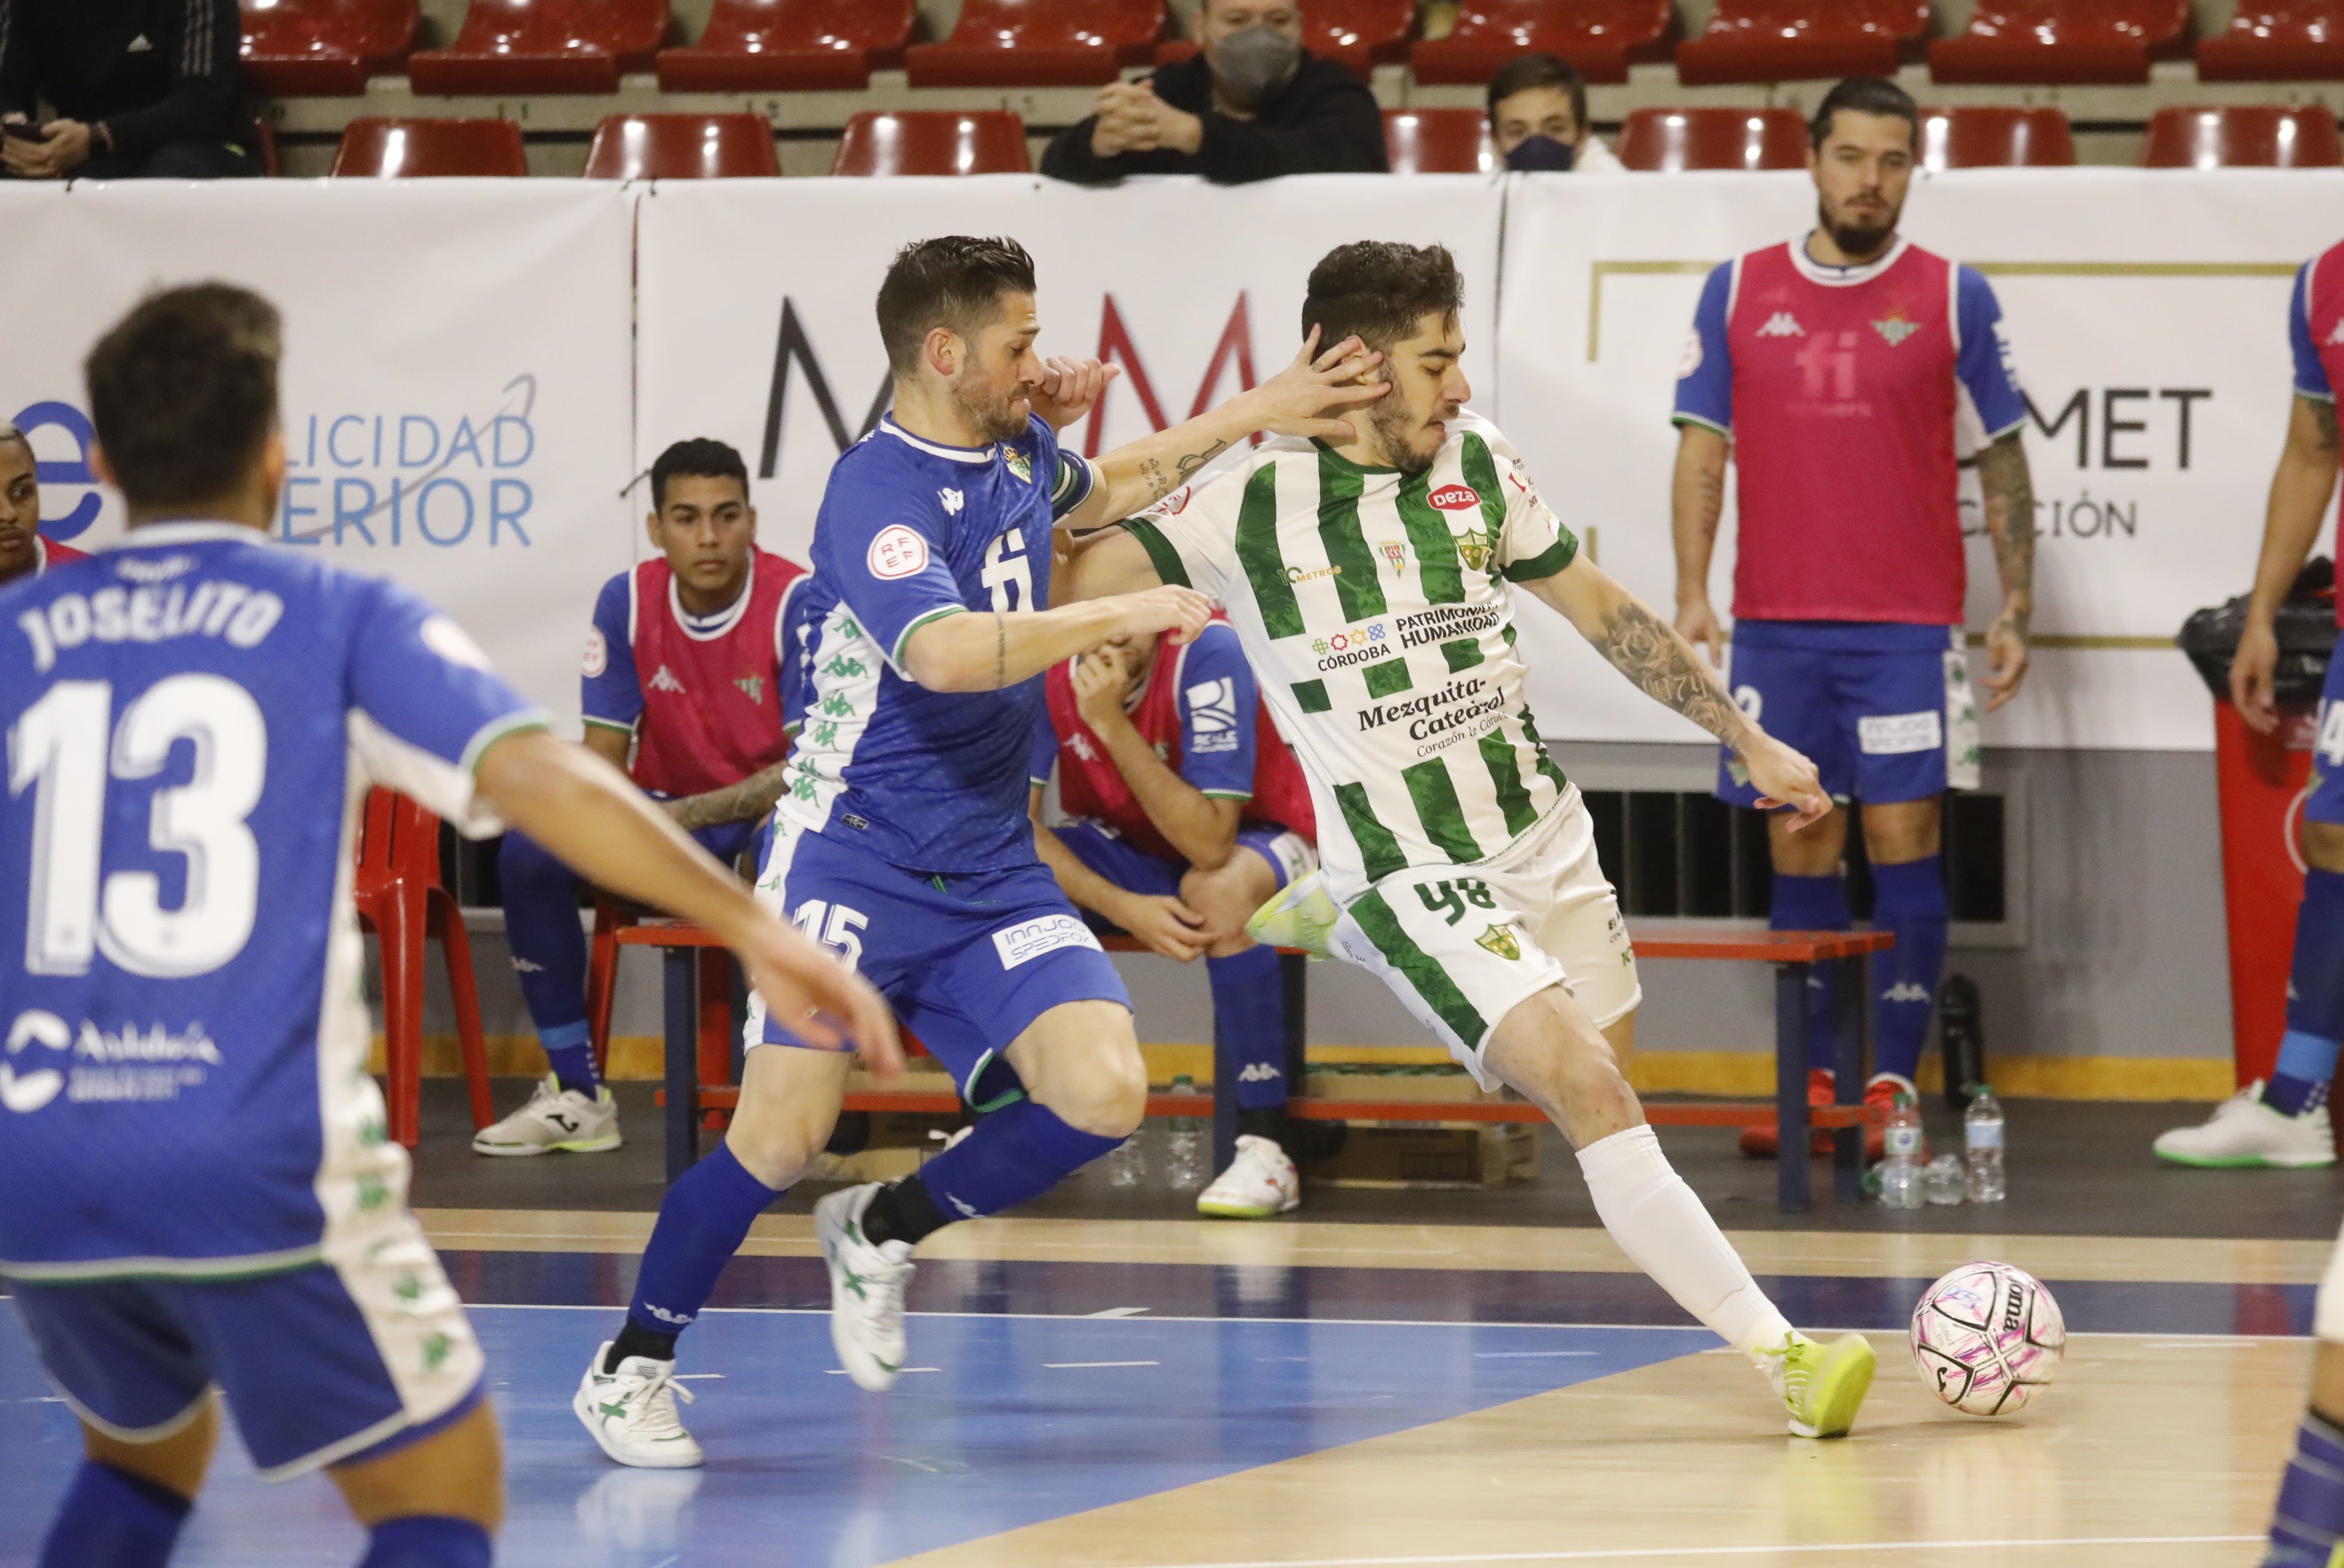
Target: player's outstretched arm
{"points": [[1105, 563], [2009, 490], [1643, 648], [987, 651], [2298, 500], [588, 813]]}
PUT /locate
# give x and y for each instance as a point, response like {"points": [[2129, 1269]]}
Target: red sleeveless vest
{"points": [[711, 706]]}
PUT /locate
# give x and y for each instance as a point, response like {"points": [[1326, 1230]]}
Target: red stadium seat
{"points": [[791, 46], [2063, 41], [1438, 142], [933, 142], [681, 147], [2276, 41], [398, 894], [412, 150], [1039, 44], [1668, 141], [1981, 139], [1358, 34], [1796, 40], [543, 46], [321, 48], [2241, 136], [1600, 37]]}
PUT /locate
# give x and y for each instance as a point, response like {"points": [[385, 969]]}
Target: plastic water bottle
{"points": [[1943, 1181], [1186, 1158], [1125, 1164], [1982, 1142], [1900, 1173]]}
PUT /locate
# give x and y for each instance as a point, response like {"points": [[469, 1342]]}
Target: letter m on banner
{"points": [[1117, 348], [796, 348]]}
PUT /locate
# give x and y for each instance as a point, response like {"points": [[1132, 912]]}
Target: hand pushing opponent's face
{"points": [[20, 507], [1862, 172], [706, 528], [992, 374], [1427, 387]]}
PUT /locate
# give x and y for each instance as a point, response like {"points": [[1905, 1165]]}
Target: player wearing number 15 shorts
{"points": [[1459, 863]]}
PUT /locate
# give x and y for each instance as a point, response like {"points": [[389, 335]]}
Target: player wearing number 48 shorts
{"points": [[1459, 863]]}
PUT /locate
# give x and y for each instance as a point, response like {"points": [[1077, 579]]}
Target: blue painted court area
{"points": [[1023, 1419]]}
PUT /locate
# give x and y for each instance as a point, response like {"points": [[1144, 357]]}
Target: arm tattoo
{"points": [[1000, 651], [2009, 511], [1643, 647], [743, 802], [1195, 461], [2323, 423]]}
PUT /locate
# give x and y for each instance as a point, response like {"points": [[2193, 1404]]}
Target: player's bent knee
{"points": [[456, 1473], [789, 1104], [1082, 1062]]}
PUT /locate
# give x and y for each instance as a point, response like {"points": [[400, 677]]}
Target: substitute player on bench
{"points": [[1189, 814], [685, 669], [1461, 861], [1846, 372], [2285, 1122], [903, 841], [200, 1192], [24, 553]]}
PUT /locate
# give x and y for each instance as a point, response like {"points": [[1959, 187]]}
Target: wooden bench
{"points": [[1793, 953]]}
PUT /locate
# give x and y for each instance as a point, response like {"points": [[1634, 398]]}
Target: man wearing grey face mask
{"points": [[1254, 104]]}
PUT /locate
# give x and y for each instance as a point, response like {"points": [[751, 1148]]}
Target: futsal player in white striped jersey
{"points": [[1372, 584]]}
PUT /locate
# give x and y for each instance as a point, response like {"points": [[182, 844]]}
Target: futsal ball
{"points": [[1987, 1338]]}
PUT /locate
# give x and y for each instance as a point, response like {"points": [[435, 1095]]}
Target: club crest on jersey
{"points": [[1020, 466], [751, 686], [1475, 549], [1500, 940], [1455, 498], [1895, 329], [1396, 552]]}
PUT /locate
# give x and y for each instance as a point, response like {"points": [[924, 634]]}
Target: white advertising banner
{"points": [[455, 384], [2146, 310], [756, 298]]}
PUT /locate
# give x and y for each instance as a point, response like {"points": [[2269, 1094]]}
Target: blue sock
{"points": [[428, 1540], [1909, 900], [549, 952], [701, 1224], [1249, 1015], [2315, 999], [112, 1519], [1018, 1153], [569, 1051], [2308, 1521], [1814, 904]]}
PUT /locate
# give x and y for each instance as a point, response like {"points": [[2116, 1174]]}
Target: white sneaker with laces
{"points": [[554, 1118], [631, 1412], [1261, 1181], [867, 1290], [2244, 1134]]}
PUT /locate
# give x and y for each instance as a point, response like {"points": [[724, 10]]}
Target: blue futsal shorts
{"points": [[1135, 870], [1883, 710], [2326, 801], [967, 961], [320, 1365]]}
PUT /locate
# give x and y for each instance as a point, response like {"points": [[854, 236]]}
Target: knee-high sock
{"points": [[1249, 1015], [548, 952], [428, 1540], [1814, 904], [1666, 1233], [112, 1519], [2308, 1522], [1017, 1152], [2315, 1002], [1910, 901], [701, 1224]]}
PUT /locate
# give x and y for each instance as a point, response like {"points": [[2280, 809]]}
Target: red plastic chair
{"points": [[325, 48], [1039, 44], [933, 142], [413, 149], [791, 46], [1670, 141], [2241, 136], [2276, 41], [2063, 41], [1798, 40], [1359, 35], [681, 148], [400, 898], [543, 46], [1600, 37], [1438, 142], [1980, 138]]}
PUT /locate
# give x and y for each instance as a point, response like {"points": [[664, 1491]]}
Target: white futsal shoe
{"points": [[631, 1412], [554, 1119], [867, 1290], [1261, 1181], [2244, 1134]]}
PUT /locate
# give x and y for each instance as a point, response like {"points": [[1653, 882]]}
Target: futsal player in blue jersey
{"points": [[901, 839], [199, 1192]]}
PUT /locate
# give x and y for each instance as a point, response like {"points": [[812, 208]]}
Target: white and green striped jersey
{"points": [[1377, 608]]}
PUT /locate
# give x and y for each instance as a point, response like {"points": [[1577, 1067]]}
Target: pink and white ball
{"points": [[1987, 1338]]}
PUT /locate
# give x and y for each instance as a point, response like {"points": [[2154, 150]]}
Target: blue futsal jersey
{"points": [[910, 531], [193, 719]]}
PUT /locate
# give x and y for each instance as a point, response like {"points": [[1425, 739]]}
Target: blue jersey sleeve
{"points": [[879, 541], [1219, 704], [1988, 369], [426, 703], [791, 642], [2310, 375], [610, 694], [1042, 755], [1706, 378]]}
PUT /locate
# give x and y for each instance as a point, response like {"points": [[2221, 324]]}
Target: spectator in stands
{"points": [[1253, 105], [141, 89], [23, 552], [1538, 118]]}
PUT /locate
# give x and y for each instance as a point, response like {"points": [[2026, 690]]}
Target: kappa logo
{"points": [[2336, 339], [24, 1093], [522, 966], [1781, 324], [1905, 991], [954, 500], [680, 1320], [1258, 1072], [1895, 329], [1455, 498], [1081, 747], [664, 680]]}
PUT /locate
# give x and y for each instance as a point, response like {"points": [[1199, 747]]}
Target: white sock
{"points": [[1666, 1233]]}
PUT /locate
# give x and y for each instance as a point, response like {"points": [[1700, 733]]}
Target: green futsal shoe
{"points": [[1299, 915], [1822, 1385]]}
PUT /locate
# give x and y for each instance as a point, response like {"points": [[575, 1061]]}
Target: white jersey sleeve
{"points": [[1533, 542], [1191, 534]]}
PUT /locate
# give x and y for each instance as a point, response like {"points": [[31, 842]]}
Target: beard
{"points": [[1396, 430], [993, 415], [1856, 238]]}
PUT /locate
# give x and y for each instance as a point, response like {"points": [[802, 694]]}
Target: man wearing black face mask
{"points": [[1253, 105], [1538, 118]]}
